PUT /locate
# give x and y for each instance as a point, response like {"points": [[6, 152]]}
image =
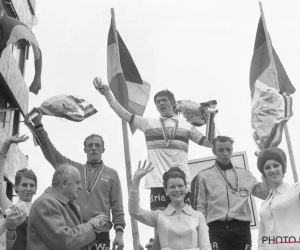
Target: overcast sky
{"points": [[199, 50]]}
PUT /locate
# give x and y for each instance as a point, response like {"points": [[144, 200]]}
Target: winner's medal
{"points": [[243, 192], [168, 140], [238, 191]]}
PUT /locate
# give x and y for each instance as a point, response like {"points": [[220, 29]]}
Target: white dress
{"points": [[280, 219]]}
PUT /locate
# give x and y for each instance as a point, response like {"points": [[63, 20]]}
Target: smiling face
{"points": [[26, 189], [176, 190], [164, 106], [273, 172], [94, 149], [223, 151]]}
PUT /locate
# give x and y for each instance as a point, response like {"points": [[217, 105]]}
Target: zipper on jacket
{"points": [[227, 201]]}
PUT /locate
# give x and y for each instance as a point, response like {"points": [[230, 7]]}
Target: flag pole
{"points": [[134, 226], [272, 65]]}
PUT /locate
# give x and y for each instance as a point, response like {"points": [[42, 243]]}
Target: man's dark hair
{"points": [[92, 136], [167, 94], [222, 138]]}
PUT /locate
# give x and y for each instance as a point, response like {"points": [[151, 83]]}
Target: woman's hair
{"points": [[276, 154], [27, 173], [173, 172]]}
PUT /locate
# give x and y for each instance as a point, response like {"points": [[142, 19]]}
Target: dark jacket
{"points": [[53, 225]]}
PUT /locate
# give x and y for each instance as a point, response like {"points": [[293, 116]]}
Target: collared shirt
{"points": [[217, 201], [184, 230], [280, 217]]}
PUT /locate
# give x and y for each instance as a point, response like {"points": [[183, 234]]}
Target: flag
{"points": [[123, 77], [67, 106], [271, 108], [64, 106], [270, 112], [261, 68], [13, 30]]}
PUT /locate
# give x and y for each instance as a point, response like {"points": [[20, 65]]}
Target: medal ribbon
{"points": [[234, 190], [167, 140], [89, 188]]}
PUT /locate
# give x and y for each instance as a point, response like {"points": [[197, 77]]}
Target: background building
{"points": [[14, 92]]}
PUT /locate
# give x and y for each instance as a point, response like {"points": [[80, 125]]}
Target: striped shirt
{"points": [[162, 155]]}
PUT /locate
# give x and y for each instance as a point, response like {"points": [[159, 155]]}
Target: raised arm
{"points": [[12, 139], [4, 201], [14, 220], [114, 104], [53, 156], [134, 120], [146, 217], [199, 138]]}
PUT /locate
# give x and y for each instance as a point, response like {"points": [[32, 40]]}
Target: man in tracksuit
{"points": [[101, 188], [222, 193]]}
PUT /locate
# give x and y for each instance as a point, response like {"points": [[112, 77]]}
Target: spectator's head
{"points": [[25, 184], [222, 149], [175, 185], [67, 180], [174, 172], [165, 102], [270, 160], [94, 148]]}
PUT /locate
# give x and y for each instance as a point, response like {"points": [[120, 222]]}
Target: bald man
{"points": [[55, 221]]}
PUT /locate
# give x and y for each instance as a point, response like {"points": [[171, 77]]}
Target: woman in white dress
{"points": [[178, 226], [280, 212]]}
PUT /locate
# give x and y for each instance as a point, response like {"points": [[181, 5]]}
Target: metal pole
{"points": [[134, 226], [273, 68]]}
